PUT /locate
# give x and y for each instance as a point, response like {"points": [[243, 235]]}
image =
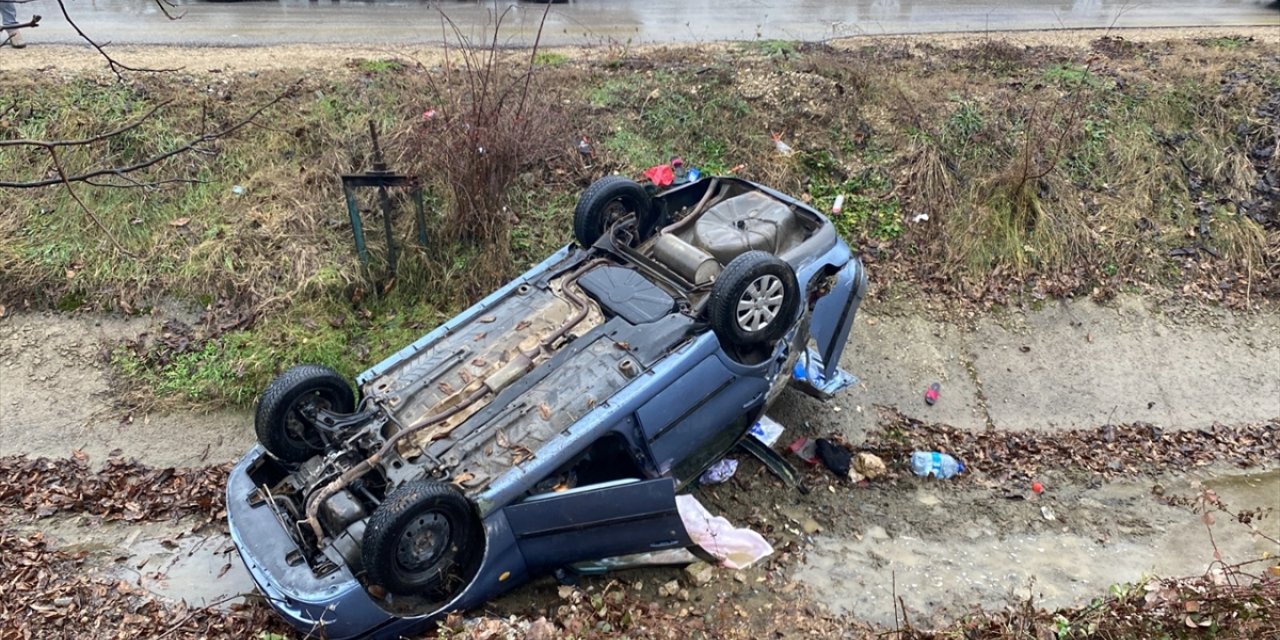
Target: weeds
{"points": [[773, 48]]}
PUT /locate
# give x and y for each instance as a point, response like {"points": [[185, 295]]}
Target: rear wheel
{"points": [[754, 300], [605, 202], [421, 540], [279, 420]]}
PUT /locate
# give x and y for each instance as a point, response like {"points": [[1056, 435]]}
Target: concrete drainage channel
{"points": [[954, 549], [941, 546]]}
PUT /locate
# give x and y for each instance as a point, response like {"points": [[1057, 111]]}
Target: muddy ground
{"points": [[943, 547]]}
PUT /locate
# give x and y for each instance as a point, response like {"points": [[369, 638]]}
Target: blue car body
{"points": [[594, 477]]}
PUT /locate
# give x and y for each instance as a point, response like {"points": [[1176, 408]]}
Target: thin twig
{"points": [[116, 66], [53, 156]]}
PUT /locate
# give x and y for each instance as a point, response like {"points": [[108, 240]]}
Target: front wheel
{"points": [[754, 300], [279, 420], [421, 540]]}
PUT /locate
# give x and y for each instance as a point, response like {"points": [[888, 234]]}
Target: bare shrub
{"points": [[492, 121]]}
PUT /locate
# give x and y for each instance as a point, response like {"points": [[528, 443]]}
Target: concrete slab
{"points": [[1073, 364], [55, 398], [1083, 365]]}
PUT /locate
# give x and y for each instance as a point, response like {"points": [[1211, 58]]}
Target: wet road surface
{"points": [[595, 22]]}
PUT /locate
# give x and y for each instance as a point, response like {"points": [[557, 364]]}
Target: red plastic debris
{"points": [[661, 175], [931, 396], [1037, 488], [805, 449]]}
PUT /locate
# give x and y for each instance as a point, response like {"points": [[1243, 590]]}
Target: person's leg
{"points": [[9, 16], [8, 13]]}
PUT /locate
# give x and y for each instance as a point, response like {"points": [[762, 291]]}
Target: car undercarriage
{"points": [[479, 417]]}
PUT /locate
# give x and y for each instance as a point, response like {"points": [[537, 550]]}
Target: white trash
{"points": [[735, 548], [766, 430]]}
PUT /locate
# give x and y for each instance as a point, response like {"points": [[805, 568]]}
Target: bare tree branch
{"points": [[165, 6], [33, 22], [145, 186], [83, 141], [116, 66], [192, 145]]}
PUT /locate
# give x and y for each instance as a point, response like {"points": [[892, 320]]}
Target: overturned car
{"points": [[553, 422]]}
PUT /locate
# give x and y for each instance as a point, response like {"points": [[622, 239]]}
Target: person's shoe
{"points": [[15, 39]]}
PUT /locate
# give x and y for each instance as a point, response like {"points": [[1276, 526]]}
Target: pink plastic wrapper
{"points": [[735, 548]]}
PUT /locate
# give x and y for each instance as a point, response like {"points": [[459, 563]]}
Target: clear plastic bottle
{"points": [[932, 463]]}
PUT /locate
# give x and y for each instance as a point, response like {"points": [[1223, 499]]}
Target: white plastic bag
{"points": [[735, 548]]}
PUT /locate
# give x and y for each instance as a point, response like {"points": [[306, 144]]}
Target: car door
{"points": [[699, 417], [592, 522], [833, 314]]}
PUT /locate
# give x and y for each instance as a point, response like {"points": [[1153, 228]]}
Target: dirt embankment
{"points": [[977, 172]]}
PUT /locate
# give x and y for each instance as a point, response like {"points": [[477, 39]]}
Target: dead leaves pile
{"points": [[120, 490], [1221, 604], [1107, 450], [616, 610], [48, 594]]}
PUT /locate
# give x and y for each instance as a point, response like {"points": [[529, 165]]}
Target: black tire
{"points": [[277, 422], [752, 279], [421, 512], [599, 206]]}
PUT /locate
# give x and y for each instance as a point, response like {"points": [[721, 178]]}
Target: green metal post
{"points": [[356, 228]]}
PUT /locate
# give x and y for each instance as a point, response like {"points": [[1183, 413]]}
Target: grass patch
{"points": [[1070, 76], [380, 65], [233, 368], [550, 59], [772, 48], [1227, 42]]}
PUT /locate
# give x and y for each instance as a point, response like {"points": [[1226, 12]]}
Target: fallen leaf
{"points": [[179, 222]]}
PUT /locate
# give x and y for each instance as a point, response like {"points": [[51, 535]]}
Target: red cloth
{"points": [[661, 175]]}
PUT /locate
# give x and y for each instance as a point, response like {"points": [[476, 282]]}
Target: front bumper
{"points": [[334, 606]]}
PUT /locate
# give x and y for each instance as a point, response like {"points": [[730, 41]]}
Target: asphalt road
{"points": [[397, 22]]}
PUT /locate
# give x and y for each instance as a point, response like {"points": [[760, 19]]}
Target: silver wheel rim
{"points": [[760, 303]]}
